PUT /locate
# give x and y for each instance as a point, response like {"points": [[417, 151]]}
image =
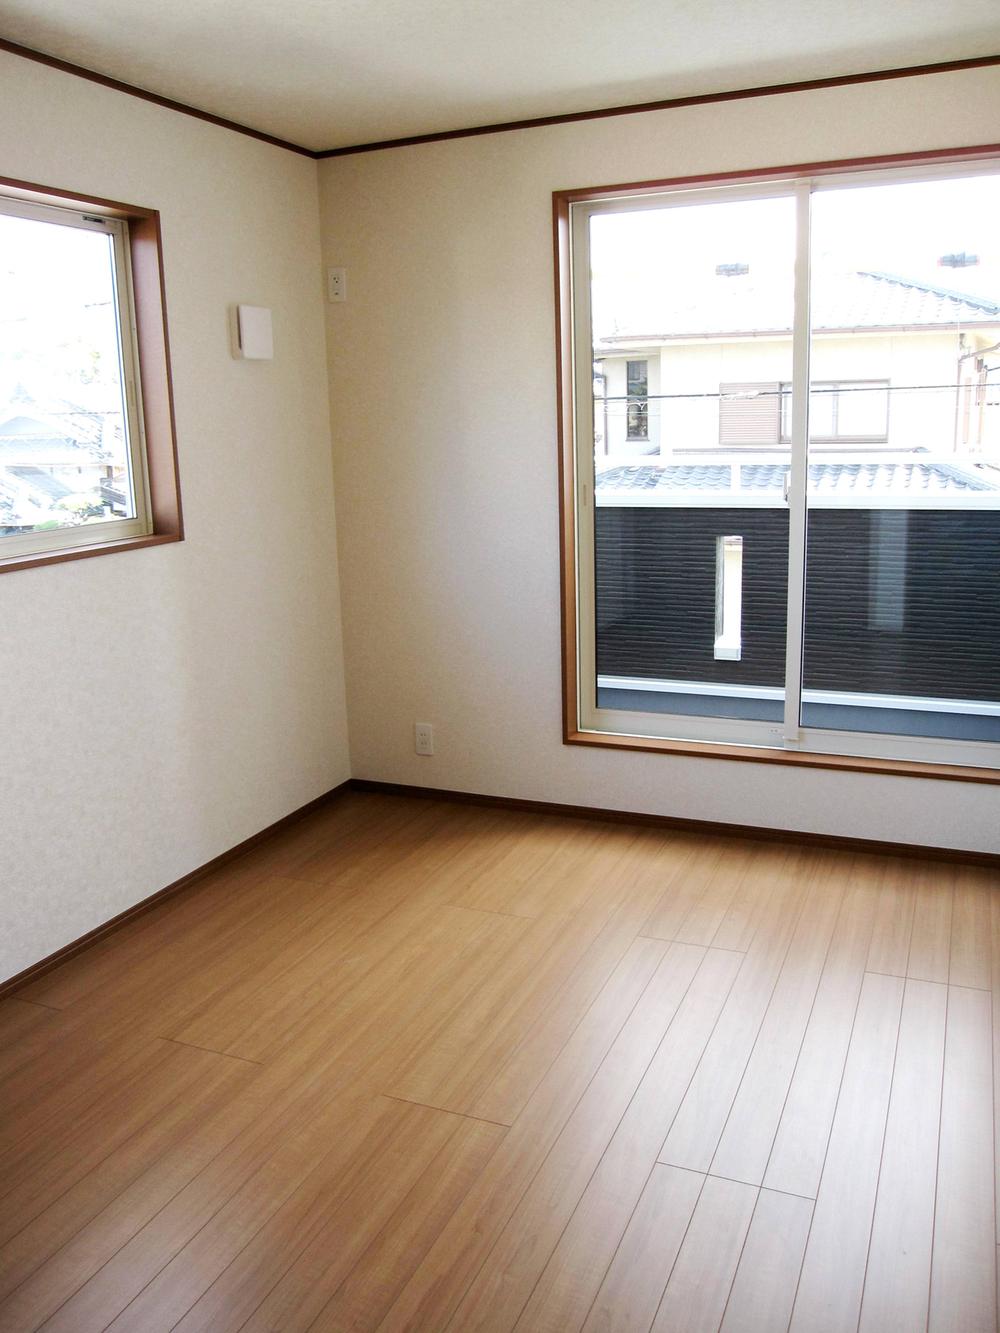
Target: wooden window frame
{"points": [[153, 356], [573, 734]]}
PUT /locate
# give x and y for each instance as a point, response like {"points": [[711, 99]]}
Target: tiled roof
{"points": [[874, 478], [860, 300], [40, 480]]}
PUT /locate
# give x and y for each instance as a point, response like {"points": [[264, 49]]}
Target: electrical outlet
{"points": [[423, 738], [336, 284]]}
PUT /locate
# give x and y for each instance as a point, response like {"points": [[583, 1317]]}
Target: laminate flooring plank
{"points": [[899, 1254], [311, 1091], [572, 1276], [34, 1133], [800, 1144], [930, 943], [181, 930], [694, 1135], [20, 1019], [694, 869], [154, 996], [40, 1177], [319, 1093], [333, 1249], [291, 917], [312, 963], [833, 1270], [745, 1145], [389, 1261], [380, 991], [398, 907], [132, 1166], [548, 869], [230, 888], [496, 1297], [242, 1186], [279, 1271], [705, 918], [963, 1281], [331, 843], [971, 962], [631, 1289], [893, 924], [702, 1276], [456, 1065], [83, 1256], [764, 1287], [632, 889], [29, 1029], [772, 872], [575, 1106]]}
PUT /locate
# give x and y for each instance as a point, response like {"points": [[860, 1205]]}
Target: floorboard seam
{"points": [[244, 1059], [445, 1110]]}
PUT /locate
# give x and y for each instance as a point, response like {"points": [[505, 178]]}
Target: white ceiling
{"points": [[328, 73]]}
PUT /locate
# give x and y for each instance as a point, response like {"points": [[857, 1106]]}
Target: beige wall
{"points": [[160, 706], [443, 401]]}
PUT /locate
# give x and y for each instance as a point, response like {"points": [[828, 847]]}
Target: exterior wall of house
{"points": [[922, 418], [158, 707], [448, 500], [612, 424], [656, 598]]}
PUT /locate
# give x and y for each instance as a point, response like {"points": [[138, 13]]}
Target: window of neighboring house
{"points": [[86, 432], [842, 410], [637, 392], [760, 413], [750, 414]]}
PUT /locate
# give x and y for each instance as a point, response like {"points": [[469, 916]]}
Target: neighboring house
{"points": [[896, 364], [902, 586], [902, 597], [51, 454]]}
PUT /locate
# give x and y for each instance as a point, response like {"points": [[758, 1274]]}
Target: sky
{"points": [[56, 292], [899, 228]]}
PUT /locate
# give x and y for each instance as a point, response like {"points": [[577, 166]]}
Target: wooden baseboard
{"points": [[60, 956], [683, 825]]}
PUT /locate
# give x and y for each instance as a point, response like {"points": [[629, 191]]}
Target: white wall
{"points": [[917, 420], [443, 398], [159, 706]]}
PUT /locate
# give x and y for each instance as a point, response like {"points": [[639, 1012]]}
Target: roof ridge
{"points": [[978, 302]]}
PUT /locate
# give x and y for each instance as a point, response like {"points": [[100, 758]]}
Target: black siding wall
{"points": [[905, 604]]}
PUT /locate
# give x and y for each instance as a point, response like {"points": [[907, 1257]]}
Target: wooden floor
{"points": [[413, 1065]]}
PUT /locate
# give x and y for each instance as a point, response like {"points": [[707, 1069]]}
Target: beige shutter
{"points": [[749, 414]]}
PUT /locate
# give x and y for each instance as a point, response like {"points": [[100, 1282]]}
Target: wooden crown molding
{"points": [[503, 126]]}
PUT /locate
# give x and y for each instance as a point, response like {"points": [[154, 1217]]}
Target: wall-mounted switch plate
{"points": [[336, 284]]}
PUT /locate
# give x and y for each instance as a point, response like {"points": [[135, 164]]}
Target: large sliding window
{"points": [[810, 565]]}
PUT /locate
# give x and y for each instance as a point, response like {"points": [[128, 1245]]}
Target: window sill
{"points": [[37, 558], [796, 758]]}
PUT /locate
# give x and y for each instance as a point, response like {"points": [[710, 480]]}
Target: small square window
{"points": [[86, 464]]}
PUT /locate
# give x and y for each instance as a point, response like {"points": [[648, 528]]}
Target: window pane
{"points": [[903, 554], [863, 410], [691, 526], [64, 448]]}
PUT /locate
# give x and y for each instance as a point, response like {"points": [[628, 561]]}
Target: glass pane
{"points": [[692, 344], [64, 456], [902, 626]]}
